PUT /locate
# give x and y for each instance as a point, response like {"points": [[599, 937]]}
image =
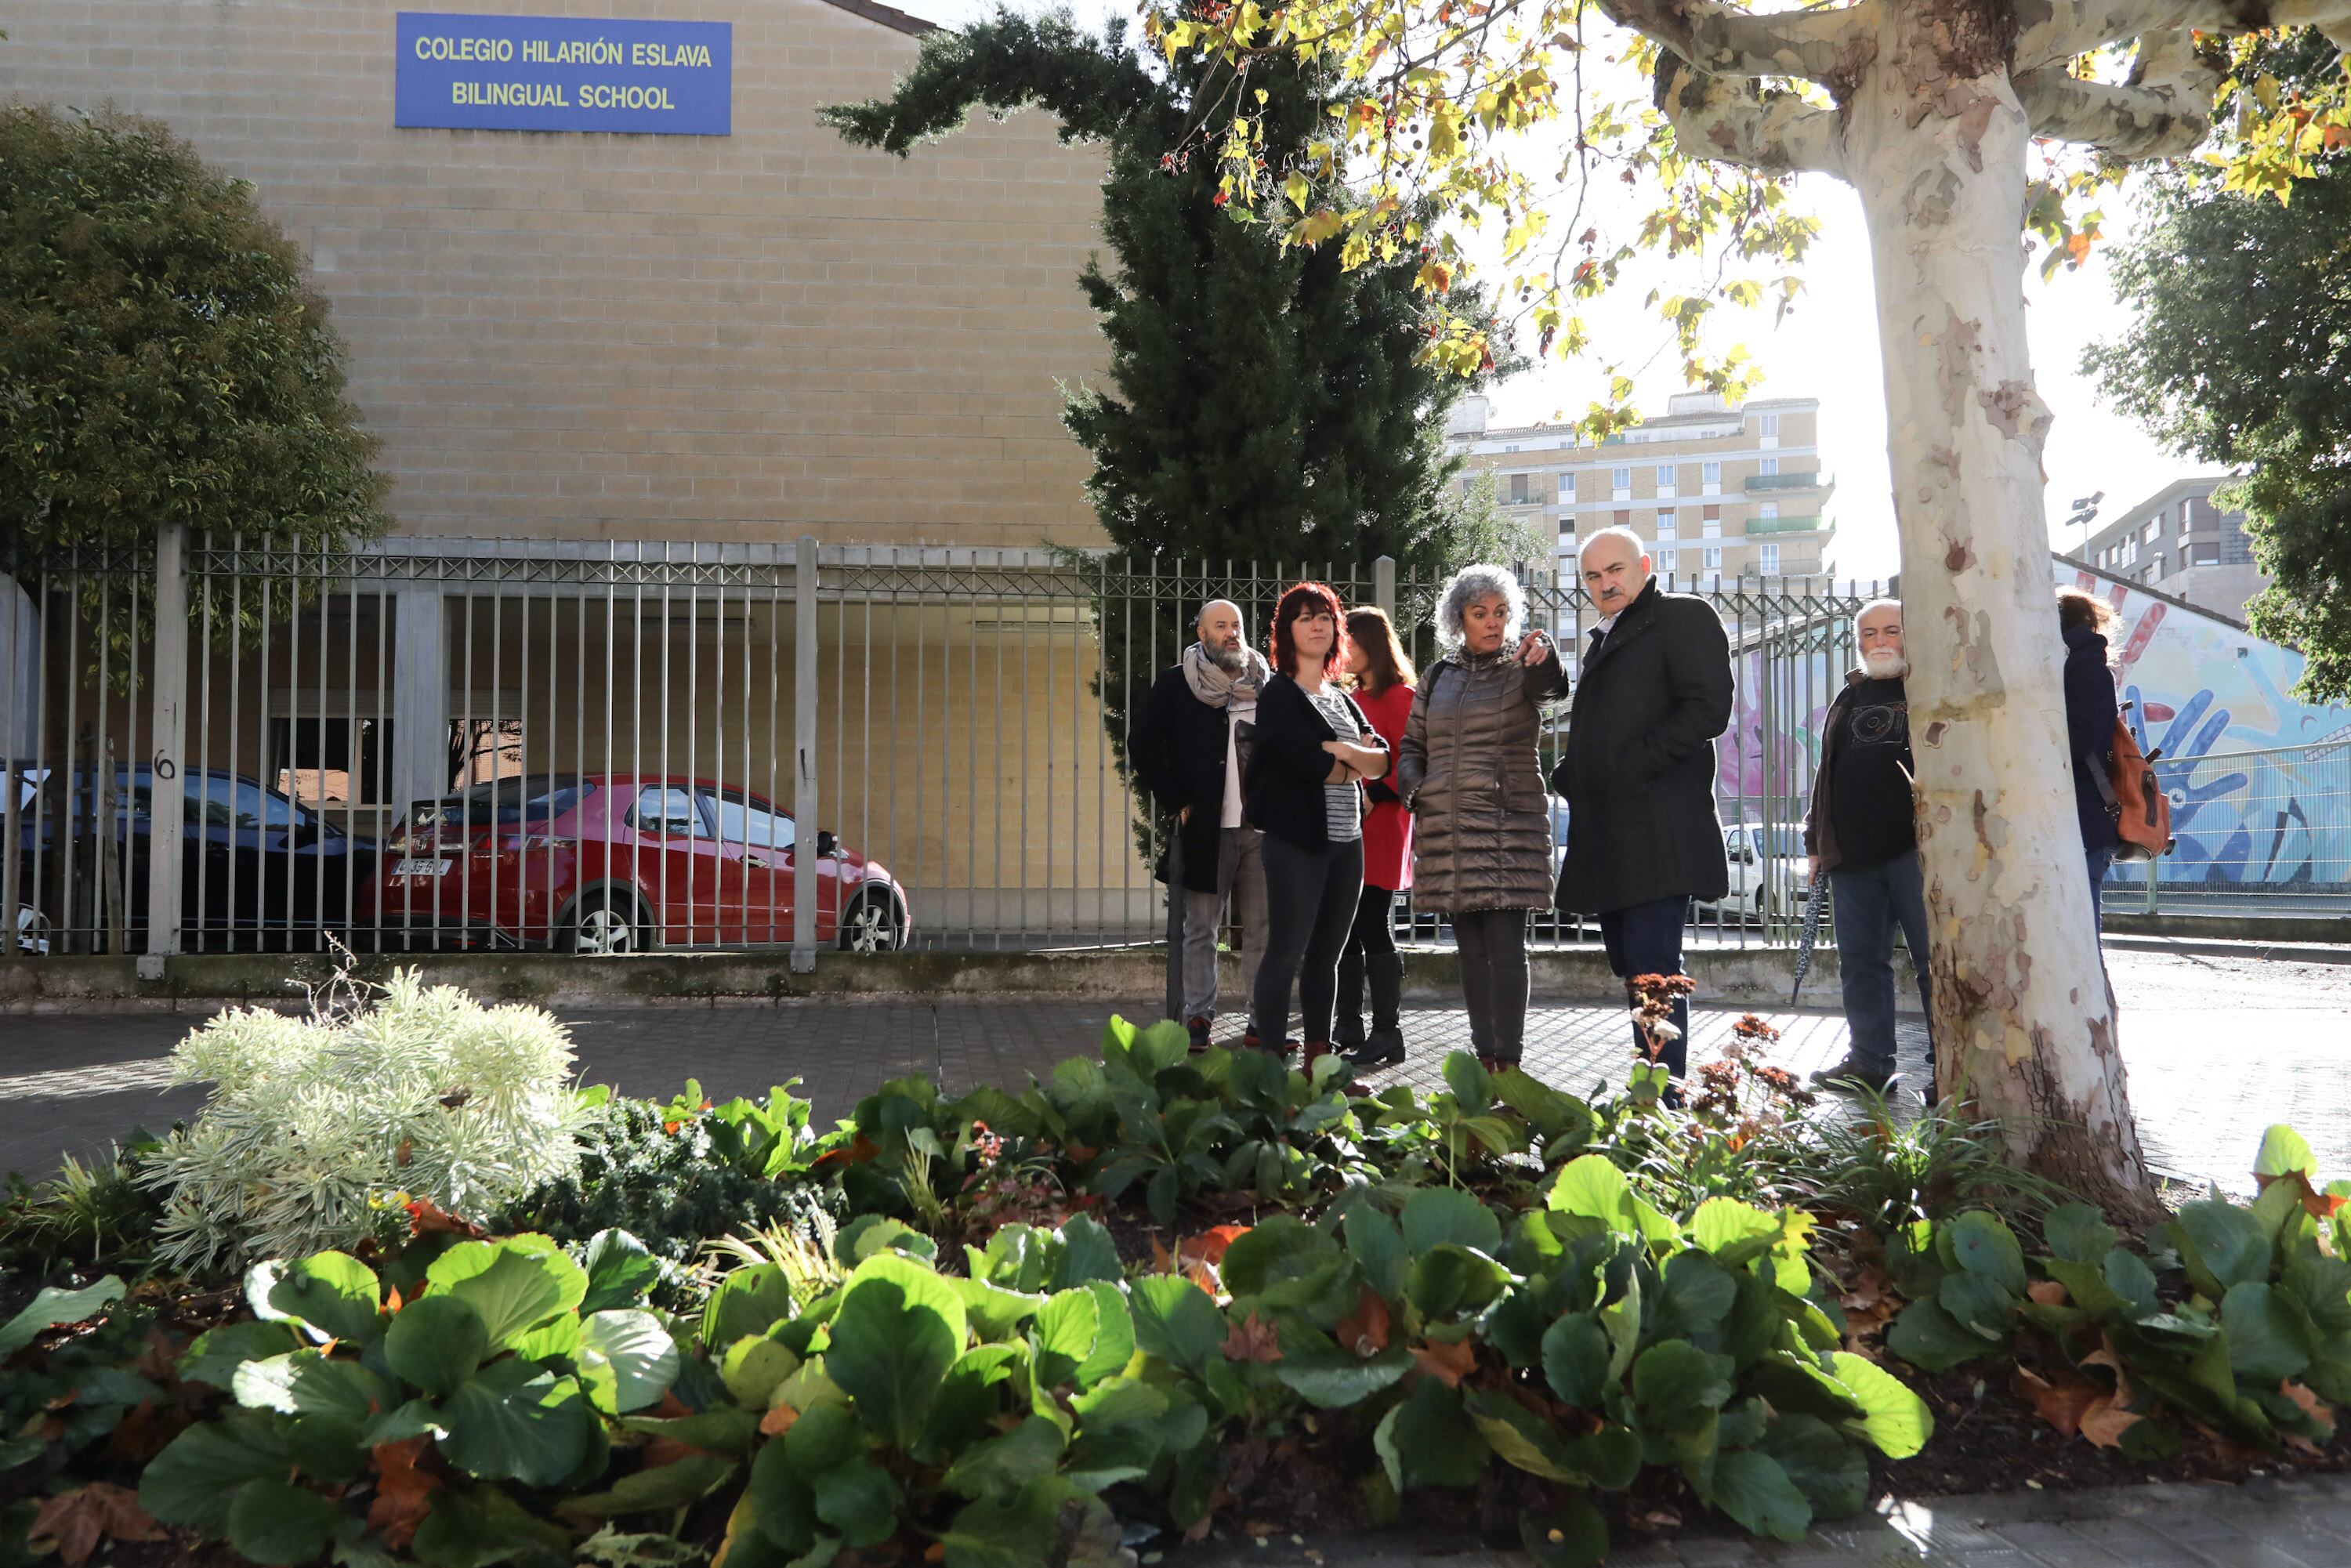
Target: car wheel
{"points": [[872, 925], [602, 930]]}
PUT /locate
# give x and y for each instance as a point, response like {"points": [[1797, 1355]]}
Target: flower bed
{"points": [[1154, 1296]]}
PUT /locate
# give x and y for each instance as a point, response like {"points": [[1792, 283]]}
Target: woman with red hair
{"points": [[1308, 753]]}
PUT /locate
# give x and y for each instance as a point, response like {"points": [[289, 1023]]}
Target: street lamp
{"points": [[2085, 512]]}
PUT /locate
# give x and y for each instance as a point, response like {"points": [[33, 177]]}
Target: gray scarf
{"points": [[1219, 687]]}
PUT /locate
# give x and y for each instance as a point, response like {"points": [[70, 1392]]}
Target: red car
{"points": [[601, 862]]}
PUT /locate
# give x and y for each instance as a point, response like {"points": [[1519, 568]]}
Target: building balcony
{"points": [[1783, 525], [1784, 482]]}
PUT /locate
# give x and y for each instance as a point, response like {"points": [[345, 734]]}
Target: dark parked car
{"points": [[600, 863], [256, 869]]}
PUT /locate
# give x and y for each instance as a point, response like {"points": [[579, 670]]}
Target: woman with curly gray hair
{"points": [[1469, 773]]}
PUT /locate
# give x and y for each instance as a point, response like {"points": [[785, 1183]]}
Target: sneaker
{"points": [[1381, 1047], [1251, 1042], [1199, 1032], [1853, 1072]]}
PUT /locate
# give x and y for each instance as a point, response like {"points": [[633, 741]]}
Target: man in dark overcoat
{"points": [[1187, 747], [1652, 692]]}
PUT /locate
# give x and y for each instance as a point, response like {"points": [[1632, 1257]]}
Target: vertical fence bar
{"points": [[804, 755], [168, 735]]}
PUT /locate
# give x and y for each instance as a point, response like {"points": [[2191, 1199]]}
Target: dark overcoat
{"points": [[1638, 770], [1178, 745]]}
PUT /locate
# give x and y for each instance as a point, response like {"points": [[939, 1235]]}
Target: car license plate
{"points": [[420, 868]]}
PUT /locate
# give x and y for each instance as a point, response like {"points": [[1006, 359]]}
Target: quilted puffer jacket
{"points": [[1468, 770]]}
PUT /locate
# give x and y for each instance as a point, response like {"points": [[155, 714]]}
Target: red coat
{"points": [[1388, 832]]}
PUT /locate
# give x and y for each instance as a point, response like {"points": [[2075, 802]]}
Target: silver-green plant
{"points": [[315, 1120]]}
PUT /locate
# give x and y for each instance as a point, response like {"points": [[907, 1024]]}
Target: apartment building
{"points": [[2178, 542], [1719, 491]]}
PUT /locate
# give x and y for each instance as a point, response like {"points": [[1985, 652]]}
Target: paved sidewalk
{"points": [[2302, 1523], [2218, 1047]]}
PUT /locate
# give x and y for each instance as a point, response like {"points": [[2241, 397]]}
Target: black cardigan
{"points": [[1281, 781]]}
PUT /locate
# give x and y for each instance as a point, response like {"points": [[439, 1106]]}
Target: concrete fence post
{"points": [[804, 770], [166, 799], [1384, 584]]}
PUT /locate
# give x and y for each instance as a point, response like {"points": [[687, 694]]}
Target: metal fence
{"points": [[2254, 833], [490, 743]]}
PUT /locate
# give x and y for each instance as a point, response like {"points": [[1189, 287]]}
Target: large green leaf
{"points": [[1674, 1382], [674, 1485], [1175, 1321], [216, 1353], [1332, 1377], [1981, 1303], [1592, 1186], [752, 1369], [2127, 1274], [513, 1420], [193, 1480], [1576, 1356], [747, 1302], [436, 1342], [1980, 1243], [1734, 1231], [1031, 1528], [2221, 1245], [2322, 1286], [1897, 1420], [627, 1360], [513, 1282], [1088, 1254], [861, 1501], [994, 1311], [1436, 1213], [1083, 1335], [2268, 1335], [473, 1527], [1449, 1279], [273, 1522], [899, 1330], [2077, 1233], [1826, 1467], [1522, 1437], [1378, 1250], [1283, 1262], [619, 1270], [1002, 1466], [1929, 1338], [306, 1382], [2285, 1152], [332, 1291], [52, 1306], [1569, 1533], [1428, 1439], [1753, 1488], [1694, 1296]]}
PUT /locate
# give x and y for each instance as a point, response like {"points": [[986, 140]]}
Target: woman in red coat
{"points": [[1382, 679]]}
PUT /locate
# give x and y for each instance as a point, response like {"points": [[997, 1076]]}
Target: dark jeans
{"points": [[1370, 953], [1309, 906], [1492, 945], [1646, 940], [2100, 860], [1869, 901]]}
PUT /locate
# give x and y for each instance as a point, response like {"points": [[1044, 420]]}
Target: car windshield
{"points": [[511, 802], [1787, 840]]}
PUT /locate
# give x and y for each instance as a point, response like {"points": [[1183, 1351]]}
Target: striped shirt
{"points": [[1343, 804]]}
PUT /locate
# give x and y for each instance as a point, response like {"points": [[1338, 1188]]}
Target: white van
{"points": [[1767, 872]]}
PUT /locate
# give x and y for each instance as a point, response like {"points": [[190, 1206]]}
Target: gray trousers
{"points": [[1241, 876]]}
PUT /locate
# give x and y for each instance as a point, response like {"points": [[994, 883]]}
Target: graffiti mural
{"points": [[2260, 781]]}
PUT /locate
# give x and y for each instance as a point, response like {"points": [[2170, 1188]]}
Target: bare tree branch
{"points": [[2164, 111], [1729, 119], [2054, 31], [1830, 44]]}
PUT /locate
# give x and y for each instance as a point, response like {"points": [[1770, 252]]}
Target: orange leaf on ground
{"points": [[2105, 1421], [2062, 1403], [2319, 1409], [779, 1420], [1449, 1363], [401, 1490], [1367, 1331], [2104, 1356], [1253, 1339], [2048, 1292], [79, 1519], [425, 1217], [1208, 1247], [1161, 1260]]}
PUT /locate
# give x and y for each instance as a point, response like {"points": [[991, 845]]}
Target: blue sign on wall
{"points": [[564, 73]]}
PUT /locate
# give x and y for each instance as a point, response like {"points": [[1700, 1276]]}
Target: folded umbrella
{"points": [[1813, 899], [1176, 924]]}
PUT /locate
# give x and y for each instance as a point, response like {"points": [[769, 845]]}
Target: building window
{"points": [[1768, 560], [1714, 558], [1513, 446], [2208, 555], [2186, 509], [1667, 524], [321, 761], [1620, 481], [1767, 428], [1768, 466], [1667, 560], [2156, 571], [2147, 535], [1622, 518], [1710, 523], [1519, 495], [1769, 511], [1665, 481], [1710, 479], [1566, 489]]}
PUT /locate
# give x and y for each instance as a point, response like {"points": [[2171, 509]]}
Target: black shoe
{"points": [[1381, 1047], [1853, 1072], [1199, 1029]]}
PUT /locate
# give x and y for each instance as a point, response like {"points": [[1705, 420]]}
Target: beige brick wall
{"points": [[567, 335]]}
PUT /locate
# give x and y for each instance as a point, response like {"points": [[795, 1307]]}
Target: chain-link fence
{"points": [[2263, 833]]}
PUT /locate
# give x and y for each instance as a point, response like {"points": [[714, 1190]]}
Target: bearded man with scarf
{"points": [[1189, 746]]}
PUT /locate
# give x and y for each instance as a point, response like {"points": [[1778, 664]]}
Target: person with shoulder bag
{"points": [[1469, 770], [1308, 753], [1381, 680]]}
